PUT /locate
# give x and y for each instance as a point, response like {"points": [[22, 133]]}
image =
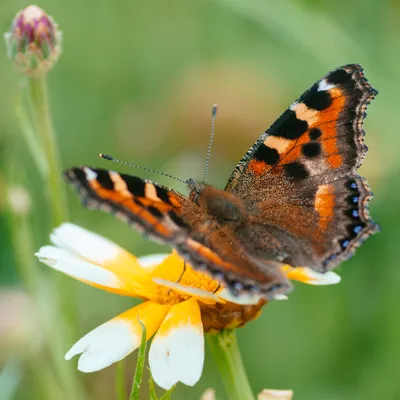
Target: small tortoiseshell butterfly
{"points": [[294, 198]]}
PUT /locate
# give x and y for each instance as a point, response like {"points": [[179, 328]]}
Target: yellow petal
{"points": [[199, 294], [171, 270]]}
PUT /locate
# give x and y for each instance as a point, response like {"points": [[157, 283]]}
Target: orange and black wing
{"points": [[169, 217], [151, 208], [299, 179]]}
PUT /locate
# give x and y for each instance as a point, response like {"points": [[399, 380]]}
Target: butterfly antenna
{"points": [[213, 117], [110, 158]]}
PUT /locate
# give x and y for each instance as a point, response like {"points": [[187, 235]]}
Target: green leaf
{"points": [[167, 394], [153, 394], [137, 379]]}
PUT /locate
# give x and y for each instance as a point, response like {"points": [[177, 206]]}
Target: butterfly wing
{"points": [[299, 179], [169, 217]]}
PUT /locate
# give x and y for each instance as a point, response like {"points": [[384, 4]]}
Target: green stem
{"points": [[137, 379], [225, 350], [120, 381], [39, 104], [27, 130], [41, 112]]}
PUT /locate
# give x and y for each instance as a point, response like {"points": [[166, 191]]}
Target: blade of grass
{"points": [[137, 379], [153, 394]]}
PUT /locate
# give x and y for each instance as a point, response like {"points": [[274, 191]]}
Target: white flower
{"points": [[176, 314]]}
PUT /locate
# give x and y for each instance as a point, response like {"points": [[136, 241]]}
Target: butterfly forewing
{"points": [[299, 177]]}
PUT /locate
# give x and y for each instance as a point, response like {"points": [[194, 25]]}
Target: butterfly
{"points": [[294, 198]]}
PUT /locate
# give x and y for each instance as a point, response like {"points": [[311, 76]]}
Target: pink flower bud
{"points": [[33, 41]]}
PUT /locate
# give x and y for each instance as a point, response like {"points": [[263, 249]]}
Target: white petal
{"points": [[117, 338], [108, 343], [71, 265], [242, 298], [86, 244], [192, 291], [316, 278], [280, 297], [152, 260], [309, 276], [177, 351]]}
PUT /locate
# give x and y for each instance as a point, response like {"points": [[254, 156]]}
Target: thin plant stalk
{"points": [[41, 112], [137, 379], [226, 353], [120, 381], [32, 142]]}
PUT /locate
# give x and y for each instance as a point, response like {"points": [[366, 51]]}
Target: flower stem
{"points": [[120, 381], [41, 113], [225, 350], [137, 379]]}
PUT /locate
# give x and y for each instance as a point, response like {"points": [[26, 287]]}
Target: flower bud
{"points": [[33, 42]]}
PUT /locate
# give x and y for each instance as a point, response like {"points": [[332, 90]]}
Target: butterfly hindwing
{"points": [[296, 176]]}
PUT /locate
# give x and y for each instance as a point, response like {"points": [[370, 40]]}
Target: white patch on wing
{"points": [[293, 105], [324, 85], [90, 174], [177, 357], [105, 345], [64, 261], [84, 243]]}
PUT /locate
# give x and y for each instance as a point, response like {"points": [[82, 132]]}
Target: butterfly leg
{"points": [[181, 275], [217, 288]]}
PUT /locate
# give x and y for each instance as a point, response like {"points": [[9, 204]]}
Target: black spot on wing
{"points": [[77, 174], [162, 194], [288, 126], [267, 154], [155, 211], [315, 133], [311, 150], [135, 185], [177, 220], [317, 100], [104, 179], [296, 170], [339, 77]]}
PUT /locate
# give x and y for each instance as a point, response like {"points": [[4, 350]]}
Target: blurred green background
{"points": [[137, 80]]}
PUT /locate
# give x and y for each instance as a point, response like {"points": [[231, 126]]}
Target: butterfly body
{"points": [[294, 198]]}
